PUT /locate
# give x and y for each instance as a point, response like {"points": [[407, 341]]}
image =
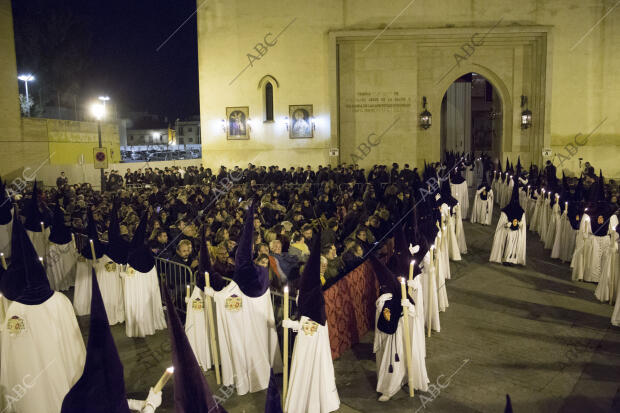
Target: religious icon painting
{"points": [[237, 123], [301, 124]]}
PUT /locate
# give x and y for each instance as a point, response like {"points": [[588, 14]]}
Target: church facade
{"points": [[329, 81]]}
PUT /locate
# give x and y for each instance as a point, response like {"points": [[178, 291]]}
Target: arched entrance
{"points": [[472, 116]]}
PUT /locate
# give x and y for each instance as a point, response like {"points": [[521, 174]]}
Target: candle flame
{"points": [[286, 289], [170, 369]]}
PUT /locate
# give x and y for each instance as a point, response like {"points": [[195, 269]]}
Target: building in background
{"points": [[188, 131]]}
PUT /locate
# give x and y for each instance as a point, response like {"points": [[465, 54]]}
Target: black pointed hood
{"points": [[34, 216], [60, 233], [456, 177], [253, 280], [508, 408], [400, 259], [204, 265], [446, 195], [392, 309], [25, 280], [513, 210], [101, 389], [118, 247], [191, 391], [273, 404], [140, 256], [91, 229], [6, 205], [311, 300]]}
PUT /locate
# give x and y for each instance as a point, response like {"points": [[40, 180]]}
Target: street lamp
{"points": [[98, 111], [26, 78]]}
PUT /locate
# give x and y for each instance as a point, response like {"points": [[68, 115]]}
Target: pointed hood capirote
{"points": [[6, 205], [101, 389], [91, 229], [252, 279], [204, 265], [311, 302], [118, 248], [34, 216], [508, 408], [392, 309], [25, 280], [513, 210], [191, 391], [59, 234], [140, 256]]}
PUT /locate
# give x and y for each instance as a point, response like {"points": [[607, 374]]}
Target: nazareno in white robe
{"points": [[61, 265], [144, 312], [610, 269], [111, 286], [197, 327], [508, 245], [312, 384], [83, 286], [46, 357], [5, 238], [386, 345], [248, 341], [461, 193], [451, 242], [482, 212], [554, 217], [431, 296], [589, 249], [615, 266]]}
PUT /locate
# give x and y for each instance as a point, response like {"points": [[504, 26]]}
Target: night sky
{"points": [[89, 48]]}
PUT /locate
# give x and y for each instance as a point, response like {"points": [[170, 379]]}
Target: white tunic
{"points": [[608, 284], [509, 245], [461, 193], [589, 249], [197, 327], [60, 265], [482, 212], [312, 384], [450, 242], [111, 286], [247, 338], [144, 313], [386, 346], [428, 279], [554, 218], [47, 356], [83, 286]]}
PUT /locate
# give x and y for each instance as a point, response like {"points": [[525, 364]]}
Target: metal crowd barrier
{"points": [[176, 277]]}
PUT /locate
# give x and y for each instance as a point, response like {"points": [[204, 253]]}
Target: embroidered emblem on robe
{"points": [[600, 219], [233, 303], [577, 218], [197, 304], [309, 327], [130, 271], [515, 222], [386, 314], [110, 266], [16, 325]]}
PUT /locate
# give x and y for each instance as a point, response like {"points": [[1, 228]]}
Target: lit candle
{"points": [[163, 380], [403, 295], [187, 291], [73, 239], [285, 345], [92, 250], [42, 227], [3, 260], [411, 265]]}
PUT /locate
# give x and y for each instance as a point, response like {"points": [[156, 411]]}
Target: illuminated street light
{"points": [[26, 78], [98, 110]]}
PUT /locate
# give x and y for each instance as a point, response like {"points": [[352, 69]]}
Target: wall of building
{"points": [[12, 151], [328, 53]]}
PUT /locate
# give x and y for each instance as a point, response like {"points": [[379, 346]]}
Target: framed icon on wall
{"points": [[301, 125], [237, 122]]}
